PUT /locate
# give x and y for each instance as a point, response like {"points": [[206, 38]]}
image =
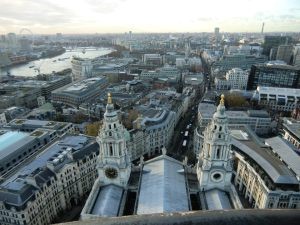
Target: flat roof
{"points": [[75, 142], [108, 201], [11, 141], [278, 90], [207, 109], [217, 200], [163, 187], [79, 85], [286, 153], [265, 158], [293, 127]]}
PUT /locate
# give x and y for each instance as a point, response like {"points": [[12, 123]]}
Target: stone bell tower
{"points": [[114, 164], [214, 168]]}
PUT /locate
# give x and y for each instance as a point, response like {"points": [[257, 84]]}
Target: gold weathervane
{"points": [[109, 100], [222, 101]]}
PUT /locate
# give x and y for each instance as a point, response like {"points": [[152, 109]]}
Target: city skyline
{"points": [[117, 16]]}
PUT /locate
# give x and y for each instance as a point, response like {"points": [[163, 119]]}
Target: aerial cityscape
{"points": [[139, 112]]}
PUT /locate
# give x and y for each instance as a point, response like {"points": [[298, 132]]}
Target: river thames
{"points": [[57, 63]]}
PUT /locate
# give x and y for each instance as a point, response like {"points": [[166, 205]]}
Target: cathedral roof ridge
{"points": [[160, 157]]}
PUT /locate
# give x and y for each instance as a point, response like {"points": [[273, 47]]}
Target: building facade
{"points": [[45, 188], [285, 53], [279, 99], [260, 177], [81, 68], [273, 76], [291, 132], [80, 92], [242, 61]]}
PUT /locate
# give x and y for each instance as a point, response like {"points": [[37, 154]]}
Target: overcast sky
{"points": [[107, 16]]}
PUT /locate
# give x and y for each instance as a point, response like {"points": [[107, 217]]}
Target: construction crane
{"points": [[38, 68]]}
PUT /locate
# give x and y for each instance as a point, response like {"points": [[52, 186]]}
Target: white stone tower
{"points": [[214, 168], [114, 164]]}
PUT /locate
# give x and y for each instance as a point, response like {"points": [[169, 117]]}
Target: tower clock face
{"points": [[217, 176], [111, 173]]}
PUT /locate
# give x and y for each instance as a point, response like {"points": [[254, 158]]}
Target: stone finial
{"points": [[185, 161], [109, 99], [164, 151], [141, 160], [222, 101]]}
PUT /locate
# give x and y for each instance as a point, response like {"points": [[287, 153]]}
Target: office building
{"points": [[165, 73], [235, 78], [285, 53], [296, 56], [153, 59], [273, 42], [80, 91], [27, 125], [39, 192], [81, 68], [279, 99], [291, 132], [272, 75], [242, 61], [16, 146]]}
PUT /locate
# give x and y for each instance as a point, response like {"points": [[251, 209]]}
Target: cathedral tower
{"points": [[114, 164], [214, 168]]}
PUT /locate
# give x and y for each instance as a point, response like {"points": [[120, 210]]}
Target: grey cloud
{"points": [[34, 12], [205, 19], [294, 9], [105, 6]]}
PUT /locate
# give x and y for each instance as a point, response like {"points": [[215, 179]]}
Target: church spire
{"points": [[222, 101], [109, 98]]}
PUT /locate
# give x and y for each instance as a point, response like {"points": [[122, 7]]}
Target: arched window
{"points": [[110, 149], [109, 126], [218, 153], [109, 133], [220, 128]]}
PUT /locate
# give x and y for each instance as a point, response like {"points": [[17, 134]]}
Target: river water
{"points": [[57, 63]]}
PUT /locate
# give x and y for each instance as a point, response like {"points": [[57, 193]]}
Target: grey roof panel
{"points": [[163, 187], [108, 201], [40, 161], [277, 171], [12, 141], [286, 153], [17, 194], [217, 200]]}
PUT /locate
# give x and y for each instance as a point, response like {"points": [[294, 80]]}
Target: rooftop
{"points": [[74, 142], [286, 153], [207, 109], [108, 201], [163, 187], [260, 153], [278, 91], [216, 200], [10, 141], [80, 86], [276, 66], [293, 126]]}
